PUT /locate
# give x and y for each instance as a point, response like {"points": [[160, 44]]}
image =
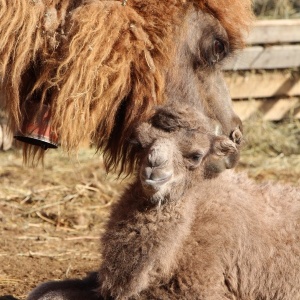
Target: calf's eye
{"points": [[194, 159]]}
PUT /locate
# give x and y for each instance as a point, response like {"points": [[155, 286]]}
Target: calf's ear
{"points": [[223, 155], [169, 119]]}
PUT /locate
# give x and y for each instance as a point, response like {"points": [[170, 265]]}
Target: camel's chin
{"points": [[157, 195], [159, 198], [160, 192]]}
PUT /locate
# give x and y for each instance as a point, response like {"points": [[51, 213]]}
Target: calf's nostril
{"points": [[152, 158], [148, 172], [156, 158]]}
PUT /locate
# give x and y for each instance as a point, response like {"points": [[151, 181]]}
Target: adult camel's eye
{"points": [[219, 50], [219, 47]]}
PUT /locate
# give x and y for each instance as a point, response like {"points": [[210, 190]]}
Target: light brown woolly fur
{"points": [[100, 65], [176, 235], [225, 238]]}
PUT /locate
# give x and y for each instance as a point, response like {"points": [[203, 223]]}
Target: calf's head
{"points": [[176, 153]]}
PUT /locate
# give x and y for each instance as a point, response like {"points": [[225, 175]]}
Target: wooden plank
{"points": [[243, 59], [263, 85], [271, 109], [274, 31], [273, 57]]}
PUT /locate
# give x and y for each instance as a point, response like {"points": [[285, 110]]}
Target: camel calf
{"points": [[177, 233]]}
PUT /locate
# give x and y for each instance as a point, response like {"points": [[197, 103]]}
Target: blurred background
{"points": [[264, 81], [277, 9]]}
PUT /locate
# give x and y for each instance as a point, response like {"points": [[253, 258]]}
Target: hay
{"points": [[272, 150], [65, 193], [274, 9], [271, 138]]}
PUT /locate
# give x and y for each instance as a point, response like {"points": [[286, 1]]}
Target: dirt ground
{"points": [[51, 217]]}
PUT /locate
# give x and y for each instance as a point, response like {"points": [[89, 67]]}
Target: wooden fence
{"points": [[265, 76]]}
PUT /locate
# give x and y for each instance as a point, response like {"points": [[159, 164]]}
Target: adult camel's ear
{"points": [[223, 155]]}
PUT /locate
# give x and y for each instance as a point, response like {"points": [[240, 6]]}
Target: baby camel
{"points": [[180, 233]]}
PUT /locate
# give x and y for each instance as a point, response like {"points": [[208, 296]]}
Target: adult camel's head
{"points": [[102, 66]]}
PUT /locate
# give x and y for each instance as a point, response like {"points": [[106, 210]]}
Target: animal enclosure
{"points": [[265, 76]]}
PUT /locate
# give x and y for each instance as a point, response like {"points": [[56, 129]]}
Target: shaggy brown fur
{"points": [[176, 235], [98, 64]]}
